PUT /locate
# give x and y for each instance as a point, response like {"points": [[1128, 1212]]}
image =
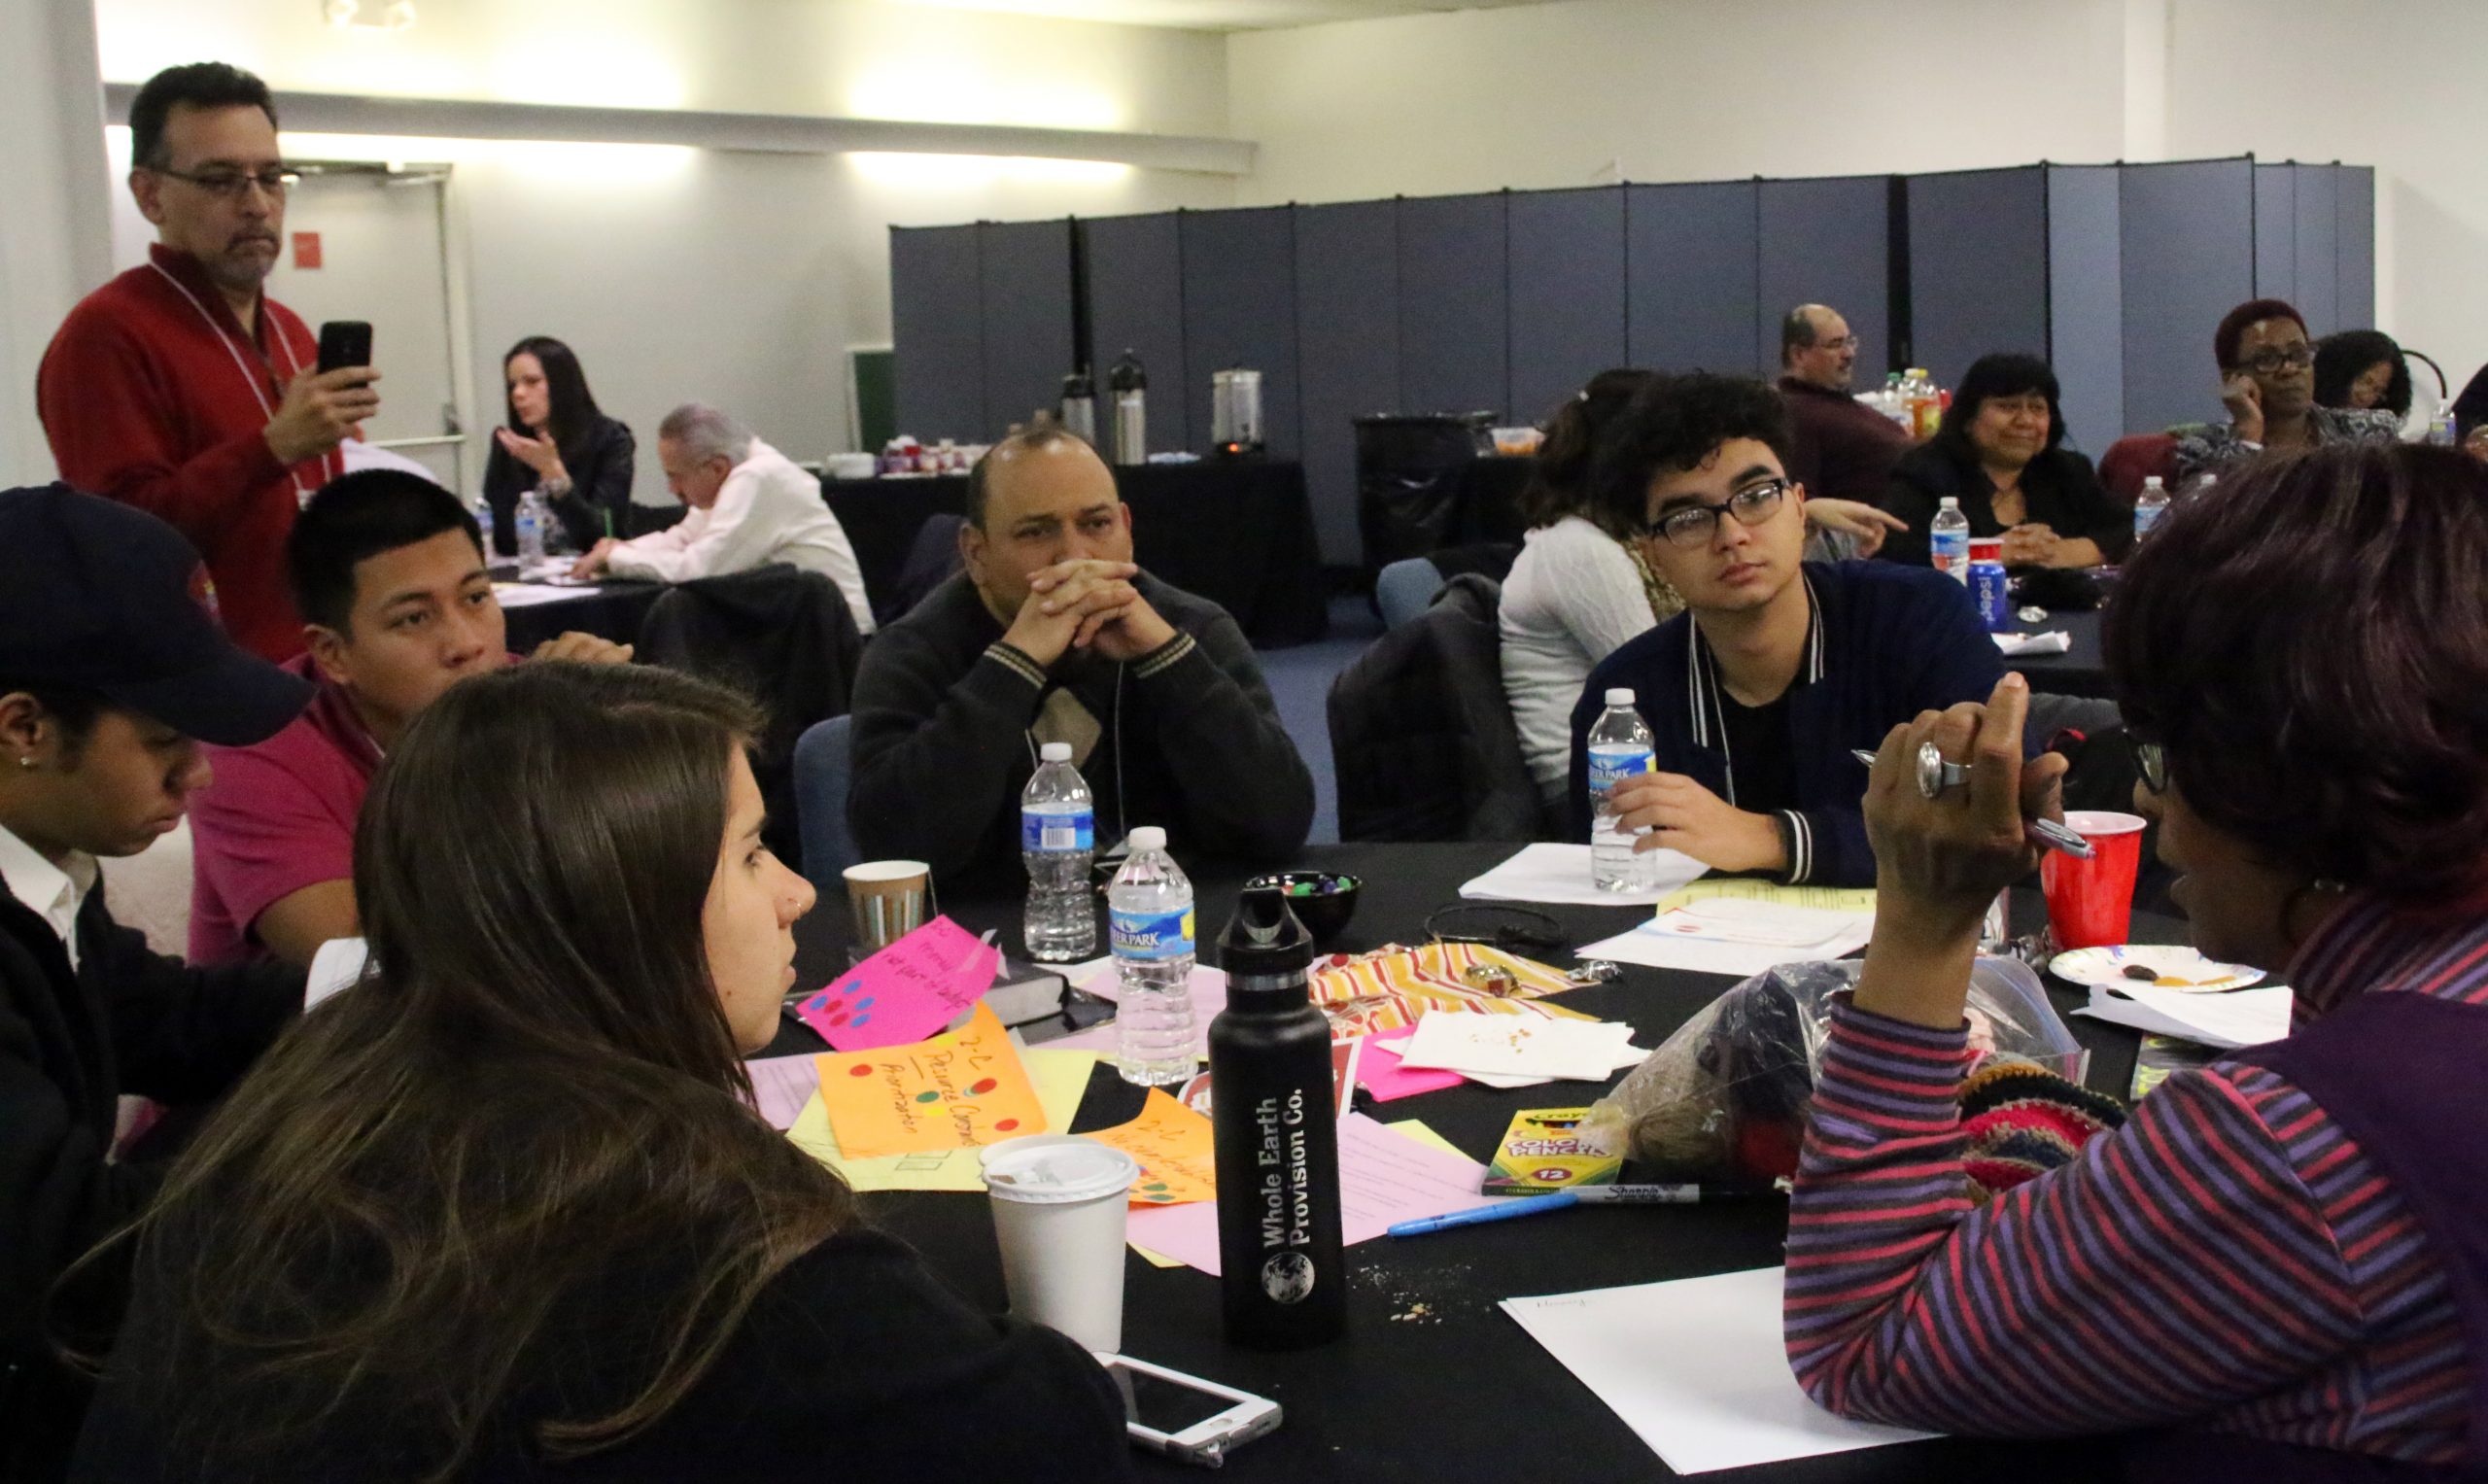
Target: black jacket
{"points": [[1191, 740], [2059, 490], [127, 1021], [854, 1363], [601, 464], [778, 635]]}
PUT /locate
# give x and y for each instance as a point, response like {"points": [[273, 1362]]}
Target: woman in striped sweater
{"points": [[2279, 1268]]}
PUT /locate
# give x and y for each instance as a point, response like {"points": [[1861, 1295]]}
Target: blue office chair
{"points": [[823, 769], [1403, 589]]}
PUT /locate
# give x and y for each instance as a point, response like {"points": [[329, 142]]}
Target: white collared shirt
{"points": [[55, 894]]}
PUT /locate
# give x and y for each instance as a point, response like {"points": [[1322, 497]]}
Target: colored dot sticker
{"points": [[860, 1069], [981, 1088], [1004, 1125], [928, 1096]]}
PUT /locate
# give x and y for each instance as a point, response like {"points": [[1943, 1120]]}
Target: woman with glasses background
{"points": [[2001, 453], [2267, 383]]}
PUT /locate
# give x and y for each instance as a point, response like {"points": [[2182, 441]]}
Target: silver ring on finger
{"points": [[1935, 775]]}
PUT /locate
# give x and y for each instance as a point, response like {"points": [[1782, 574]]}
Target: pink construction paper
{"points": [[783, 1084], [1387, 1079], [1384, 1177], [906, 992]]}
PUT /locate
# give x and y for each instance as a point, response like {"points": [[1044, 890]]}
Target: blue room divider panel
{"points": [[1347, 332], [1978, 268], [1454, 282], [1239, 309], [937, 323], [2086, 304], [1567, 296], [1827, 242], [1135, 266], [2188, 236], [1690, 260], [1025, 273]]}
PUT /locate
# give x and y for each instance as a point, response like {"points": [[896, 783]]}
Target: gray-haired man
{"points": [[750, 505]]}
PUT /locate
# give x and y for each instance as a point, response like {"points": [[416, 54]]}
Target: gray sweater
{"points": [[1191, 742]]}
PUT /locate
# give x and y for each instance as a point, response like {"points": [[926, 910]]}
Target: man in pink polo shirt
{"points": [[388, 570]]}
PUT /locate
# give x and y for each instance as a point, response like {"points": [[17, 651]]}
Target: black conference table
{"points": [[1238, 533], [1456, 1391], [2078, 672], [612, 609]]}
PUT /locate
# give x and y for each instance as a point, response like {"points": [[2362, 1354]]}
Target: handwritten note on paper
{"points": [[1584, 1051], [1384, 1177], [1059, 1078], [905, 992], [1173, 1143], [958, 1090]]}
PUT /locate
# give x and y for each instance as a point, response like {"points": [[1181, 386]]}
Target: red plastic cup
{"points": [[2090, 903]]}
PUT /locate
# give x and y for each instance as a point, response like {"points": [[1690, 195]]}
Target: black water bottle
{"points": [[1283, 1277]]}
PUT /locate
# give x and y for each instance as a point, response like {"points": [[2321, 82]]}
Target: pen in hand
{"points": [[2046, 834]]}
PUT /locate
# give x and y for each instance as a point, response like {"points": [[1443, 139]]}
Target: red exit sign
{"points": [[306, 249]]}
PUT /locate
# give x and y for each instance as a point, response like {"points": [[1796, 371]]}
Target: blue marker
{"points": [[1588, 1194]]}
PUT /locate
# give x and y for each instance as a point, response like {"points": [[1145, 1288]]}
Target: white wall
{"points": [[1587, 91], [1590, 92], [730, 277], [53, 232]]}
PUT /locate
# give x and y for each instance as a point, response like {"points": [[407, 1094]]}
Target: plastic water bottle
{"points": [[2150, 505], [484, 526], [1619, 748], [2441, 427], [1057, 839], [1150, 907], [531, 529], [1949, 541]]}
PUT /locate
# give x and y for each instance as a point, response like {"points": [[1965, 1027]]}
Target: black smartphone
{"points": [[344, 343]]}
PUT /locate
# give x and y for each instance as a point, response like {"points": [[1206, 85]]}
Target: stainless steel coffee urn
{"points": [[1080, 404], [1128, 384], [1235, 411]]}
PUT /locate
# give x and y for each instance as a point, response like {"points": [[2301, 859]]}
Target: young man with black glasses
{"points": [[181, 386], [1776, 668]]}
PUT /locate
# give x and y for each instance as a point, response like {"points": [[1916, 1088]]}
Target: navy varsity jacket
{"points": [[1886, 642]]}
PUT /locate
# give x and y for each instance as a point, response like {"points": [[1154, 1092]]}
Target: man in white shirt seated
{"points": [[750, 505]]}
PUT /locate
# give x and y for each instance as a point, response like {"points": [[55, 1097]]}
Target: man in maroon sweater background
{"points": [[180, 387], [1842, 449]]}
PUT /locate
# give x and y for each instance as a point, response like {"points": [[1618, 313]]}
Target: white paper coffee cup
{"points": [[1060, 1205]]}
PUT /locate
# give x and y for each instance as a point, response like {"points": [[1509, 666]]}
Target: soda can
{"points": [[1993, 594]]}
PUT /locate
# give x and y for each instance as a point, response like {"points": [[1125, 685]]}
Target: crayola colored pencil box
{"points": [[1543, 1150]]}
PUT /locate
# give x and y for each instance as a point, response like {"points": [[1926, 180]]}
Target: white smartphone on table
{"points": [[1185, 1417]]}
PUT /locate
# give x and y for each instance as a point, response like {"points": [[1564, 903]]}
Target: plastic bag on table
{"points": [[1724, 1097]]}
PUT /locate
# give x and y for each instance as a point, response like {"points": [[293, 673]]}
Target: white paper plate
{"points": [[2177, 967]]}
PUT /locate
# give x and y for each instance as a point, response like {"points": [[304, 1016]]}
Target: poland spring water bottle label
{"points": [[1152, 934], [1058, 827], [1609, 766]]}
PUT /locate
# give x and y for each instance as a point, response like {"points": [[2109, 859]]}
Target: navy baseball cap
{"points": [[104, 598]]}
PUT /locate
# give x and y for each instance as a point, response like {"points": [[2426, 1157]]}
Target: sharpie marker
{"points": [[2046, 834], [1586, 1195]]}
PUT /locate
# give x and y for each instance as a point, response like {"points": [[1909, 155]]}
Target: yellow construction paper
{"points": [[1416, 1129], [962, 1089], [1156, 1259], [1059, 1078], [1172, 1143], [1828, 898]]}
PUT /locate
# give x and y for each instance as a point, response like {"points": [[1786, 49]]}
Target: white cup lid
{"points": [[886, 870], [1056, 1169]]}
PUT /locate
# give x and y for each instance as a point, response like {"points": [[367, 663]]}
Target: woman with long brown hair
{"points": [[504, 1205]]}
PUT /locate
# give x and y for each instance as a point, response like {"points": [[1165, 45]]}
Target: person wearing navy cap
{"points": [[113, 669]]}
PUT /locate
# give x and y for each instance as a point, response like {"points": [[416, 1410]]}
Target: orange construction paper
{"points": [[958, 1090], [1172, 1143]]}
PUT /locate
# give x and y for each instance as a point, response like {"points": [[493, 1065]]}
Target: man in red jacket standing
{"points": [[180, 387]]}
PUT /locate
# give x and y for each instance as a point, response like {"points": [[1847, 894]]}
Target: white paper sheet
{"points": [[1697, 1369], [528, 594], [1646, 945], [1515, 1046], [2054, 642], [1561, 873], [2234, 1018], [336, 964]]}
